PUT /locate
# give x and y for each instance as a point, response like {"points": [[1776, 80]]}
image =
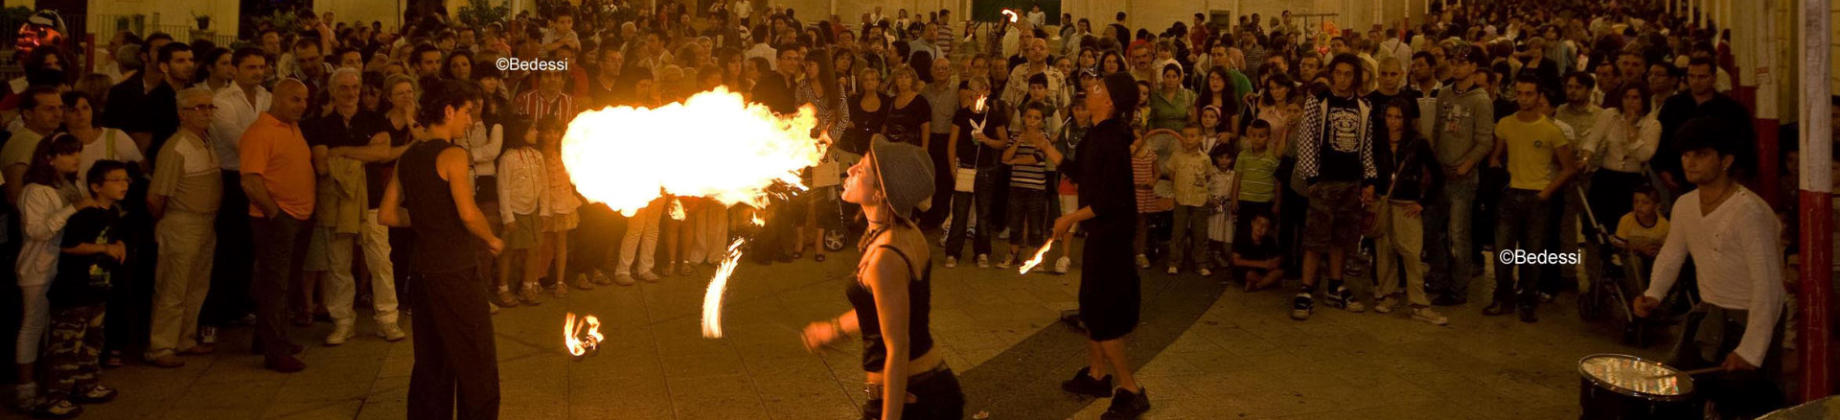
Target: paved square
{"points": [[1207, 351]]}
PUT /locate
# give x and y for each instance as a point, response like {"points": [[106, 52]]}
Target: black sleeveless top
{"points": [[919, 309], [442, 243]]}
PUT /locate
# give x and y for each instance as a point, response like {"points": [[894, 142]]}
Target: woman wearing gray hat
{"points": [[1108, 213], [892, 290]]}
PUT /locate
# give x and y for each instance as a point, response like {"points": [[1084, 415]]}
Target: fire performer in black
{"points": [[454, 351], [1109, 295], [891, 292]]}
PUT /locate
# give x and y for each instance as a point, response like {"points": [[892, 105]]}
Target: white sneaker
{"points": [[983, 260], [1061, 265], [392, 333], [340, 334], [1205, 273], [951, 262], [1007, 261], [1429, 316], [1384, 305], [1355, 306], [1171, 271], [1143, 261]]}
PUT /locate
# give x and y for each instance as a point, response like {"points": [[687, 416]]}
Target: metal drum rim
{"points": [[1686, 388]]}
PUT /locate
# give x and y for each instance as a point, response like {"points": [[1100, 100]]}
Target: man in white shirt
{"points": [[1731, 234], [762, 49], [238, 105]]}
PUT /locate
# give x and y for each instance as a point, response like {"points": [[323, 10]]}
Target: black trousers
{"points": [[1708, 335], [936, 397], [595, 243], [942, 183], [229, 297], [278, 260], [456, 361]]}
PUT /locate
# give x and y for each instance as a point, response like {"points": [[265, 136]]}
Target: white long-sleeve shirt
{"points": [[234, 115], [523, 184], [1611, 139], [483, 144], [1735, 255], [42, 212]]}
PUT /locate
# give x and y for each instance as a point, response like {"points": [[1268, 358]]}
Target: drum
{"points": [[1623, 387]]}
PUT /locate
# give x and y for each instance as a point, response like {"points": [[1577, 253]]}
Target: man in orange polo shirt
{"points": [[277, 169]]}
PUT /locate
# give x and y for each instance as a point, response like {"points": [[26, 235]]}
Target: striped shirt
{"points": [[943, 40], [1028, 176], [1258, 176], [534, 104]]}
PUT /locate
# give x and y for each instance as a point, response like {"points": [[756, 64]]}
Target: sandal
{"points": [[95, 395], [62, 409]]}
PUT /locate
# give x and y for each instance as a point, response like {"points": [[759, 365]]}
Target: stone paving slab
{"points": [[1241, 357]]}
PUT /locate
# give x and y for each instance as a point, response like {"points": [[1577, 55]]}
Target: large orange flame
{"points": [[1032, 262], [712, 297], [713, 145]]}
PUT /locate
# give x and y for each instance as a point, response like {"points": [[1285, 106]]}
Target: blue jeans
{"points": [[1522, 225], [1452, 267]]}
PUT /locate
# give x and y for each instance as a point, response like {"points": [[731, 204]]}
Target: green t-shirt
{"points": [[1258, 176]]}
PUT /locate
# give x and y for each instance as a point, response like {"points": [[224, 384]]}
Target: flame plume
{"points": [[713, 145]]}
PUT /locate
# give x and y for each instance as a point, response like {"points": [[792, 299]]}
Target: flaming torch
{"points": [[583, 339], [1032, 262], [712, 298], [1011, 14]]}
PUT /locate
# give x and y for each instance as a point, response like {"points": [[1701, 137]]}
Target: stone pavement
{"points": [[1206, 351]]}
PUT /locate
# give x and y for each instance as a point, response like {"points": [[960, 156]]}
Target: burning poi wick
{"points": [[1032, 262], [712, 298], [1011, 14], [583, 339]]}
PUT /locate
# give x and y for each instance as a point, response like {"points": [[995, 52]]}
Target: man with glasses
{"points": [[185, 196]]}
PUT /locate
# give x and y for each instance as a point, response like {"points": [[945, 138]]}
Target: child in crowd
{"points": [[523, 197], [1193, 174], [1028, 195], [50, 196], [1143, 180], [561, 217], [1257, 166], [1140, 119], [1221, 191], [1643, 230], [92, 254], [1256, 256], [1214, 129], [1038, 94]]}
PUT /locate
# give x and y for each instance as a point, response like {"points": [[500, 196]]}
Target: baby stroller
{"points": [[1613, 288]]}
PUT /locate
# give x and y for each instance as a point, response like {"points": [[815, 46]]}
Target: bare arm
{"points": [[1568, 167], [453, 165], [389, 213], [379, 150], [320, 155], [258, 194]]}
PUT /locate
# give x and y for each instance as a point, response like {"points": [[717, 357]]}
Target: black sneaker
{"points": [[1336, 297], [1301, 306], [1498, 308], [1449, 300], [1084, 384], [1127, 405], [1528, 316]]}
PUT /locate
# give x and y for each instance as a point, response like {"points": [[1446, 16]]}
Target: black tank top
{"points": [[442, 243], [919, 309]]}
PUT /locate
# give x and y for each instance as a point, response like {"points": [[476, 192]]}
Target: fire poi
{"points": [[584, 338], [713, 145]]}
